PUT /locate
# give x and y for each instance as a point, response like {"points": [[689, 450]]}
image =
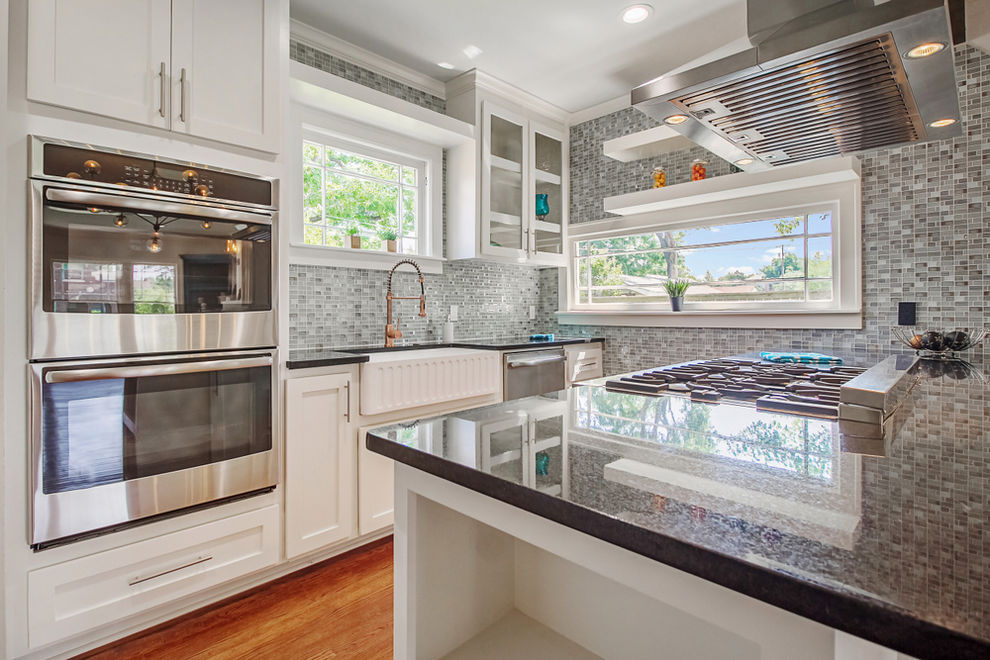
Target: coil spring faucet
{"points": [[392, 331]]}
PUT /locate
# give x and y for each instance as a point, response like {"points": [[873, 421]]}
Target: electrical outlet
{"points": [[532, 312], [453, 312]]}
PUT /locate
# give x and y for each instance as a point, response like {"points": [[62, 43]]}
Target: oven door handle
{"points": [[146, 370], [129, 201]]}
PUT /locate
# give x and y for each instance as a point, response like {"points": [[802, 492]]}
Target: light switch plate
{"points": [[453, 312], [532, 312]]}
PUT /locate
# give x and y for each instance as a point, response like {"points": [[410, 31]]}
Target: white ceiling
{"points": [[572, 53]]}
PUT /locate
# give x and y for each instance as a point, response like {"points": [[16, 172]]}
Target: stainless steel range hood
{"points": [[817, 81]]}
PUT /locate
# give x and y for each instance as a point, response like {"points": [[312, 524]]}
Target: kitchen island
{"points": [[593, 523]]}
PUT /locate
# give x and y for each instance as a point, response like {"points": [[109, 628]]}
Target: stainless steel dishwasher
{"points": [[531, 372]]}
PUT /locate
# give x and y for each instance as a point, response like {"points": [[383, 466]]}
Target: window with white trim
{"points": [[372, 193], [776, 260]]}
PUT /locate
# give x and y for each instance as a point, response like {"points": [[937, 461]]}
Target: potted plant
{"points": [[388, 235], [676, 290], [352, 231]]}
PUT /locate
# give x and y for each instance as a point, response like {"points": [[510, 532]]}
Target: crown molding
{"points": [[600, 110], [345, 50], [482, 80]]}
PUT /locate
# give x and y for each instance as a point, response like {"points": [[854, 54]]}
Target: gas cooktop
{"points": [[790, 388]]}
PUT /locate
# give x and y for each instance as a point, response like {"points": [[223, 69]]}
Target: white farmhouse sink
{"points": [[399, 380]]}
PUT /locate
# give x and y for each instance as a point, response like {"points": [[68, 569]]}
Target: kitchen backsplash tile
{"points": [[925, 239]]}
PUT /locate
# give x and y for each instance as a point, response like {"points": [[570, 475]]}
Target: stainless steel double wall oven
{"points": [[152, 337]]}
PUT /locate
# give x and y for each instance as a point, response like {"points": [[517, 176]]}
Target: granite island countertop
{"points": [[892, 545], [318, 357]]}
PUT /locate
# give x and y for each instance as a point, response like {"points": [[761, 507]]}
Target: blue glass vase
{"points": [[542, 205]]}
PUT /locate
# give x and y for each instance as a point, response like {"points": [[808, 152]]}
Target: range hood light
{"points": [[942, 123], [926, 49], [742, 162], [674, 120]]}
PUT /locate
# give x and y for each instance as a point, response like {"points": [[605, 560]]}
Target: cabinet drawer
{"points": [[589, 352], [85, 593], [586, 370]]}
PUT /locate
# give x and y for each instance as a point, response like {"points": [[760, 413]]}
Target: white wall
{"points": [[23, 118]]}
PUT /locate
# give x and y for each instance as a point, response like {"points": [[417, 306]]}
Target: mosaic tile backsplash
{"points": [[925, 234]]}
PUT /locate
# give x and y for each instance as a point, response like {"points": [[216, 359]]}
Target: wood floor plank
{"points": [[340, 608]]}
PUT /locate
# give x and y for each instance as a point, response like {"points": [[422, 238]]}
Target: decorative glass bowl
{"points": [[938, 343]]}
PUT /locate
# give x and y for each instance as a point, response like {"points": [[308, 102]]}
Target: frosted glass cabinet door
{"points": [[505, 152], [546, 242], [225, 70], [109, 57]]}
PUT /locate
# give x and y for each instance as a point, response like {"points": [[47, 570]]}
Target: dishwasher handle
{"points": [[512, 364]]}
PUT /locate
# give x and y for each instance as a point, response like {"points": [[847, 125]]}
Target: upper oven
{"points": [[134, 254]]}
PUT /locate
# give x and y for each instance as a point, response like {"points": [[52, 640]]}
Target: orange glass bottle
{"points": [[699, 169]]}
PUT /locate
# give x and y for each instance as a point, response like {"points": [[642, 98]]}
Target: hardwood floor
{"points": [[340, 608]]}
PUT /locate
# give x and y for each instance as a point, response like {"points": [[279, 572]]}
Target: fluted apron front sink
{"points": [[414, 378]]}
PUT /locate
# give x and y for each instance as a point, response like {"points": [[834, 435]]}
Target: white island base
{"points": [[478, 578]]}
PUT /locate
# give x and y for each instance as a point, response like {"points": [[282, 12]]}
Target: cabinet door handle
{"points": [[161, 90], [182, 96], [145, 578], [347, 412]]}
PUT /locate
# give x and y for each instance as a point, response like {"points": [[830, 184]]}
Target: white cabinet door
{"points": [[376, 489], [319, 463], [109, 57], [225, 64], [505, 198], [547, 215]]}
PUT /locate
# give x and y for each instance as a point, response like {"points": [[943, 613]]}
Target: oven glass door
{"points": [[137, 439], [104, 258]]}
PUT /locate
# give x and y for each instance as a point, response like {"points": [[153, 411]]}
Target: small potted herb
{"points": [[353, 232], [388, 235], [676, 290]]}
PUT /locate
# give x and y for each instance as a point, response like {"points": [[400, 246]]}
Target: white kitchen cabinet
{"points": [[225, 64], [584, 362], [319, 463], [376, 489], [522, 154], [109, 57], [208, 68], [81, 594]]}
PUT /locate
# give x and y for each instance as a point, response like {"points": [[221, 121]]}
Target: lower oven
{"points": [[115, 441], [532, 372]]}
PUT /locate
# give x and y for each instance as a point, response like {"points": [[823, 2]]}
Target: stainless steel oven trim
{"points": [[110, 505], [126, 199], [37, 171], [55, 335]]}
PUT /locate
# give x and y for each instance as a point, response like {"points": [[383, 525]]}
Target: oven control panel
{"points": [[86, 164]]}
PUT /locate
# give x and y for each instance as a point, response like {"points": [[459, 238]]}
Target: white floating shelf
{"points": [[646, 144], [546, 226], [736, 186], [547, 177], [324, 91], [506, 164], [506, 219]]}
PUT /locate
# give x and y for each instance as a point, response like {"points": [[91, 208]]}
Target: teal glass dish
{"points": [[542, 205]]}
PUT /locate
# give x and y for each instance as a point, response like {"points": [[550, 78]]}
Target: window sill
{"points": [[311, 255], [783, 319]]}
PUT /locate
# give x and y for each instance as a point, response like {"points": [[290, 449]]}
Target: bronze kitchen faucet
{"points": [[392, 331]]}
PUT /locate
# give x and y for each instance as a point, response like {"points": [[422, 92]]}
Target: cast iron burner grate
{"points": [[790, 388]]}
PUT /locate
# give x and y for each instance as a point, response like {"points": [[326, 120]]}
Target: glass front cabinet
{"points": [[521, 184]]}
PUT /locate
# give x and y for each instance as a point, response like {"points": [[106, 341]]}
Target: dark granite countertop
{"points": [[892, 545], [306, 358]]}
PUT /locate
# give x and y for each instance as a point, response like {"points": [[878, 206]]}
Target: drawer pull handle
{"points": [[145, 578]]}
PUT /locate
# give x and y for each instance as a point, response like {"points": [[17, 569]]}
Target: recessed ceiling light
{"points": [[942, 123], [742, 162], [445, 65], [636, 13], [674, 120], [472, 51], [925, 49]]}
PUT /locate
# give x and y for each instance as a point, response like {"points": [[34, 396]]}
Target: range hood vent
{"points": [[853, 91]]}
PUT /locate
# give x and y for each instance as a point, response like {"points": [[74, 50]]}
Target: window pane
{"points": [[820, 290], [820, 257], [820, 223], [748, 290], [312, 153], [335, 238], [312, 194], [367, 203], [409, 176], [782, 258], [409, 211], [368, 166], [313, 235], [408, 246], [742, 231]]}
